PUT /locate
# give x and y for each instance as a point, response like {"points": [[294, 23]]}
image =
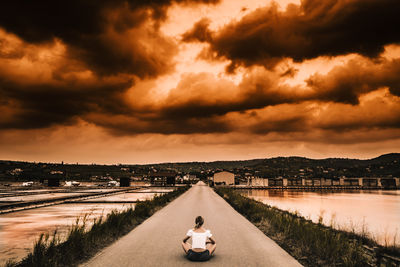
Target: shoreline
{"points": [[313, 244], [49, 250]]}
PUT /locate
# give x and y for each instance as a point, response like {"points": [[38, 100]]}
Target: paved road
{"points": [[157, 241]]}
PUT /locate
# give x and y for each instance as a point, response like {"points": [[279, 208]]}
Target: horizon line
{"points": [[185, 162]]}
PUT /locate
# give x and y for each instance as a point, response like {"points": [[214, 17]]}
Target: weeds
{"points": [[82, 241]]}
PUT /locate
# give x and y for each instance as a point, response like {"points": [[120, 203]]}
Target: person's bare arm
{"points": [[186, 239]]}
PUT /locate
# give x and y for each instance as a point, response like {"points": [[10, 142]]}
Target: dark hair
{"points": [[199, 222]]}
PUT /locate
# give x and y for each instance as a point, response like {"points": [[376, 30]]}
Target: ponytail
{"points": [[199, 222]]}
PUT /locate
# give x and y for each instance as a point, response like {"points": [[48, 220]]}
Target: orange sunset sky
{"points": [[95, 81]]}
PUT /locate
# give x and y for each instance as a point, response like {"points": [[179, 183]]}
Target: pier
{"points": [[157, 241]]}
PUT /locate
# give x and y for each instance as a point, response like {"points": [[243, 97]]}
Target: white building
{"points": [[189, 177], [257, 181], [224, 177]]}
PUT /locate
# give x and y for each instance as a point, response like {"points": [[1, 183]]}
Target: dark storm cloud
{"points": [[346, 83], [127, 125], [297, 123], [202, 95], [108, 40], [104, 34], [30, 106], [315, 28], [202, 103], [109, 45], [199, 32]]}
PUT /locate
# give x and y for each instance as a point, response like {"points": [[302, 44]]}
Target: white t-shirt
{"points": [[199, 239]]}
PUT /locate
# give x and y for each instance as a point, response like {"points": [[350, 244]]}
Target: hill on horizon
{"points": [[386, 165]]}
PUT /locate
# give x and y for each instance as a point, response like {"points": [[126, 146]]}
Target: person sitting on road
{"points": [[203, 245]]}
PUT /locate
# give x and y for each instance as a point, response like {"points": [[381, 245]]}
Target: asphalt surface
{"points": [[157, 241]]}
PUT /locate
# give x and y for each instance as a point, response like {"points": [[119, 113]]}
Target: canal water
{"points": [[19, 230], [376, 212]]}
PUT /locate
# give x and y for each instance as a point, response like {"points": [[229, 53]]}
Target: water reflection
{"points": [[376, 211], [19, 230]]}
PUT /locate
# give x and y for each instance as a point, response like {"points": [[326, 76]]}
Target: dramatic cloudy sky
{"points": [[154, 81]]}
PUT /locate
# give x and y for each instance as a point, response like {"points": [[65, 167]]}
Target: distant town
{"points": [[383, 171]]}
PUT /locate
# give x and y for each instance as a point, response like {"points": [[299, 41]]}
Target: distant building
{"points": [[125, 181], [16, 171], [224, 177], [27, 183], [162, 178], [53, 182], [189, 177], [257, 181]]}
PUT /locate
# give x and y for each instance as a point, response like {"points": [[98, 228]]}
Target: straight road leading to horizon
{"points": [[157, 241]]}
